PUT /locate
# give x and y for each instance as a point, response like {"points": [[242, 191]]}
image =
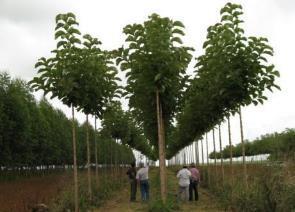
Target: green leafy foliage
{"points": [[121, 125], [233, 72], [34, 134], [80, 74], [154, 59]]}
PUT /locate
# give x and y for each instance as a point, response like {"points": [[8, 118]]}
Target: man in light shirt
{"points": [[142, 177], [184, 181]]}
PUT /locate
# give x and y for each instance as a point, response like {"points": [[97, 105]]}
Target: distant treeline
{"points": [[34, 133], [280, 146]]}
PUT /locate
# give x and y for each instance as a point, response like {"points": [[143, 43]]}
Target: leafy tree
{"points": [[80, 74], [155, 61]]}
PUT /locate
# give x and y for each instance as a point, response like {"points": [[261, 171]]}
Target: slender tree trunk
{"points": [[88, 160], [75, 161], [192, 151], [231, 151], [193, 154], [184, 157], [196, 152], [111, 159], [208, 168], [164, 145], [95, 143], [214, 149], [202, 152], [190, 155], [106, 157], [221, 154], [161, 144], [116, 158], [243, 149]]}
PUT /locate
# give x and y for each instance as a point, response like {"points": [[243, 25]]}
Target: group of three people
{"points": [[188, 182]]}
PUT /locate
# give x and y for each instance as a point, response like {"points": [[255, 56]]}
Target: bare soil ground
{"points": [[19, 195]]}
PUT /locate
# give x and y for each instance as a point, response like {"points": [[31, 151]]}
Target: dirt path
{"points": [[120, 202]]}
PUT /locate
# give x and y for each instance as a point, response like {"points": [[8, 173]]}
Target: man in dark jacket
{"points": [[132, 178]]}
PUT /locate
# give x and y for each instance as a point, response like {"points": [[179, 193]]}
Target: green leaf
{"points": [[58, 17], [158, 77], [276, 73], [61, 43], [74, 40], [74, 31], [260, 100], [58, 25], [71, 15], [277, 87], [268, 52], [176, 39], [119, 60], [226, 18], [59, 34], [130, 38], [178, 31], [178, 24]]}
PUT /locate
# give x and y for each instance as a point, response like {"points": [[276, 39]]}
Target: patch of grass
{"points": [[270, 188], [102, 190], [159, 206]]}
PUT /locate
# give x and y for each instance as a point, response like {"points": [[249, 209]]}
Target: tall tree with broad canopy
{"points": [[80, 74], [155, 61]]}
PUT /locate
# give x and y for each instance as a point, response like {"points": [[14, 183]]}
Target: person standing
{"points": [[184, 181], [194, 181], [132, 179], [143, 179]]}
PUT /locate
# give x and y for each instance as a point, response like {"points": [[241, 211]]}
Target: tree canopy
{"points": [[233, 72]]}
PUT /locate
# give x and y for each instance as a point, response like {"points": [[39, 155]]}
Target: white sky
{"points": [[27, 33]]}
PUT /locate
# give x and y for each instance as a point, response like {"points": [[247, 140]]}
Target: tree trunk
{"points": [[243, 149], [95, 143], [208, 168], [116, 158], [111, 159], [196, 152], [88, 159], [221, 154], [75, 161], [231, 152], [214, 149], [202, 152], [161, 144]]}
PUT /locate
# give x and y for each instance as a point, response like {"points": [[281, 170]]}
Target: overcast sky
{"points": [[27, 33]]}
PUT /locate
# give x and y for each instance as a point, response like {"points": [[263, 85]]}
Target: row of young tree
{"points": [[83, 76], [36, 134], [280, 146], [233, 72]]}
